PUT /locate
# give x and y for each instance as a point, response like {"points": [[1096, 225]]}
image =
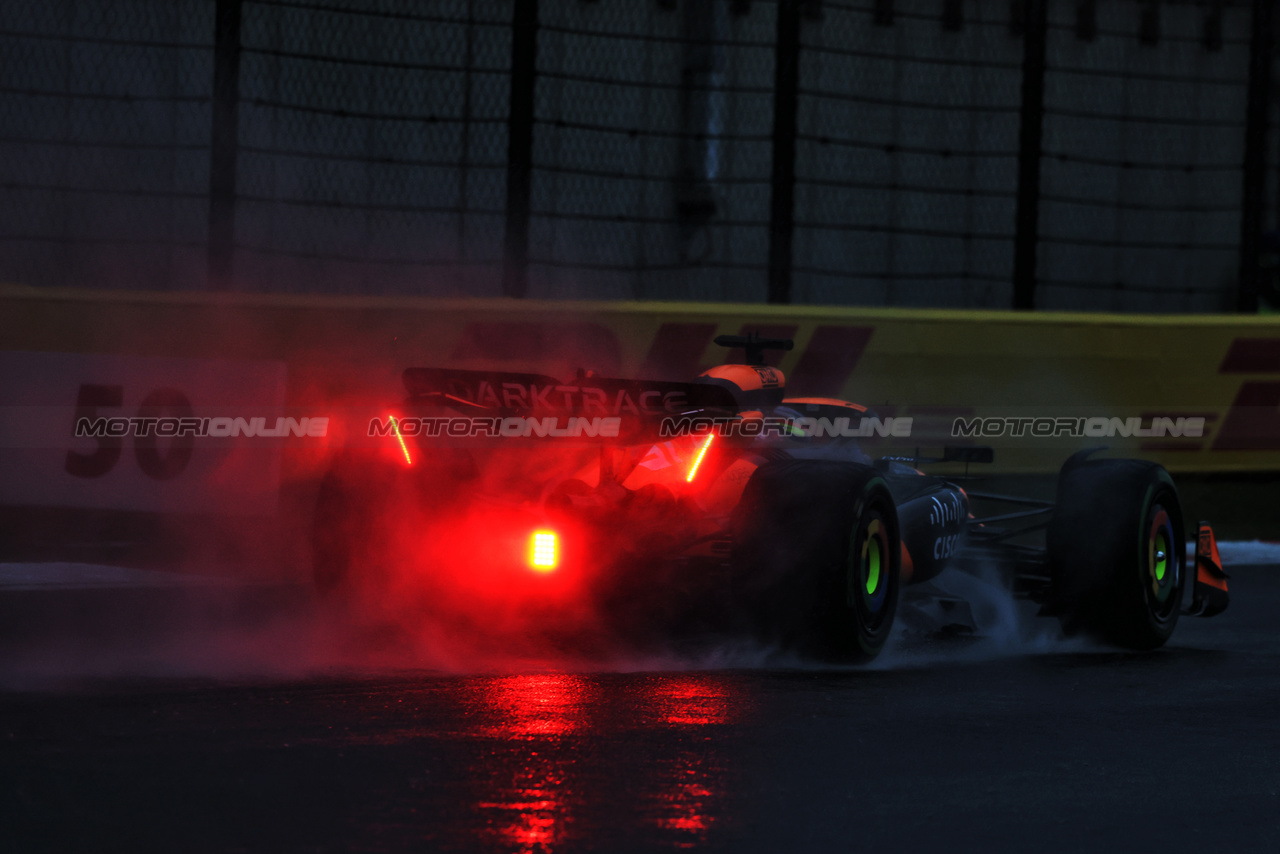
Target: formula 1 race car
{"points": [[723, 505]]}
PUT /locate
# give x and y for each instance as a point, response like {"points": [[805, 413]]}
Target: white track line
{"points": [[81, 576], [1248, 552]]}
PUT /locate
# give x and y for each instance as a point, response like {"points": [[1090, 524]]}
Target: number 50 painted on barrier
{"points": [[163, 402]]}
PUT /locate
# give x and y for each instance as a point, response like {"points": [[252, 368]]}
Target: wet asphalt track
{"points": [[951, 747]]}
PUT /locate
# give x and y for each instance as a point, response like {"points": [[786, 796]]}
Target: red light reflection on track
{"points": [[691, 701], [540, 711], [534, 819], [685, 803], [535, 705], [538, 792]]}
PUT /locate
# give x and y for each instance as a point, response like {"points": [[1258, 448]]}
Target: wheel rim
{"points": [[869, 589], [1163, 564], [872, 561]]}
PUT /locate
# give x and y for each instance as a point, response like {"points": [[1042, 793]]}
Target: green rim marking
{"points": [[873, 565], [1162, 562]]}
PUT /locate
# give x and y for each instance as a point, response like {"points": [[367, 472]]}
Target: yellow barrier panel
{"points": [[1086, 376]]}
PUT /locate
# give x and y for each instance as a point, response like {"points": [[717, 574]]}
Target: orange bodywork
{"points": [[748, 377]]}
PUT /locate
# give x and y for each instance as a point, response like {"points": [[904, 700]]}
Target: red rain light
{"points": [[543, 551], [697, 461], [403, 447]]}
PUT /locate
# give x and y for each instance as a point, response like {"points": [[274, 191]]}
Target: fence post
{"points": [[1030, 143], [786, 82], [524, 67], [223, 142], [1255, 156]]}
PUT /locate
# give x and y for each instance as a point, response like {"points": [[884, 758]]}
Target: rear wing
{"points": [[640, 405], [1209, 593]]}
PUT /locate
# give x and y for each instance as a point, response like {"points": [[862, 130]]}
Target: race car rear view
{"points": [[721, 505]]}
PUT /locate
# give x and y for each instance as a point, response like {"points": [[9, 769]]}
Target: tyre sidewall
{"points": [[797, 532], [864, 621], [1098, 550]]}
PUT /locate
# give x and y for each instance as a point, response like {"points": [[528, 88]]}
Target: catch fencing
{"points": [[1070, 154]]}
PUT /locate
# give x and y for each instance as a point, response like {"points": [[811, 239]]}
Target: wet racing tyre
{"points": [[816, 558], [349, 532], [368, 510], [1117, 552]]}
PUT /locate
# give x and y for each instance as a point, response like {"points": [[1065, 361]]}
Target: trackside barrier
{"points": [[1196, 393]]}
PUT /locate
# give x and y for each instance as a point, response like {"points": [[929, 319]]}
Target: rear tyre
{"points": [[351, 532], [817, 558], [1117, 552], [368, 511]]}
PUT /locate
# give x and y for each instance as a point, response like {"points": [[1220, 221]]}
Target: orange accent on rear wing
{"points": [[1209, 596]]}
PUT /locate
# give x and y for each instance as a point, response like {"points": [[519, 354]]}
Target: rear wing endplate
{"points": [[1209, 595]]}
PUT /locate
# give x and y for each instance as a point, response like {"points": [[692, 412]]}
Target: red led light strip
{"points": [[697, 461], [403, 447]]}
